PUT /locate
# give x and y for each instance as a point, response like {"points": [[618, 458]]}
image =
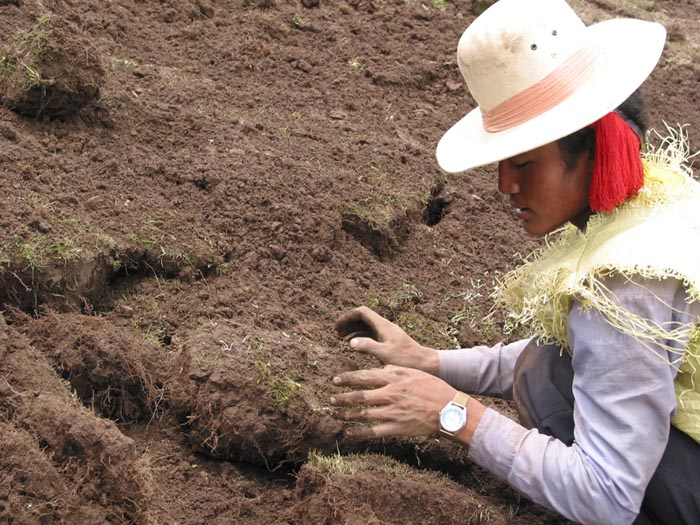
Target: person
{"points": [[607, 390]]}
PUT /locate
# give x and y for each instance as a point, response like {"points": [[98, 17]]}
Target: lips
{"points": [[521, 213]]}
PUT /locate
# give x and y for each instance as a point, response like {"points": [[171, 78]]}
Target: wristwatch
{"points": [[453, 417]]}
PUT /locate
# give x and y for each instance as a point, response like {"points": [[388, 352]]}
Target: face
{"points": [[543, 192]]}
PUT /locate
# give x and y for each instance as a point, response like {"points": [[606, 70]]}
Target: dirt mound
{"points": [[112, 371], [352, 490], [52, 70], [242, 398], [60, 462], [175, 250]]}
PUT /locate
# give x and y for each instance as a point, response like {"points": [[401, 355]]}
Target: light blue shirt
{"points": [[624, 399]]}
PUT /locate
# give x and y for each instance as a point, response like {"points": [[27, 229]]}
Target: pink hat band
{"points": [[543, 95]]}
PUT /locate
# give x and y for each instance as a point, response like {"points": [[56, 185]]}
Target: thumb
{"points": [[368, 345]]}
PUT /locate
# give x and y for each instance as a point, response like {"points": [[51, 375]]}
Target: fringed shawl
{"points": [[656, 235]]}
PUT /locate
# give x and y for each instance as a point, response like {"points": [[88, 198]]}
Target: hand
{"points": [[405, 401], [372, 334]]}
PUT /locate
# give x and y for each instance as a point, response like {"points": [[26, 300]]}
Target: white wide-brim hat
{"points": [[539, 74]]}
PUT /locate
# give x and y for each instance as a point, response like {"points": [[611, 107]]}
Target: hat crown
{"points": [[515, 44]]}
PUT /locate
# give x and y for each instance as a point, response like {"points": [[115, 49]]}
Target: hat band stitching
{"points": [[543, 95]]}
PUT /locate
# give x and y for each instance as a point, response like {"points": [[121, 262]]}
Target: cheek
{"points": [[582, 179], [584, 185]]}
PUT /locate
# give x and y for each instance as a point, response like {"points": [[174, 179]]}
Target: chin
{"points": [[533, 231], [540, 230]]}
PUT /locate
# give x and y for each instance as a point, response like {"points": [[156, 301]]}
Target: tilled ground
{"points": [[193, 192]]}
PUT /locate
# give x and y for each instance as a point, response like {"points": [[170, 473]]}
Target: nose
{"points": [[508, 179]]}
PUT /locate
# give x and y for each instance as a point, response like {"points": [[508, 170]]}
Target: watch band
{"points": [[461, 398]]}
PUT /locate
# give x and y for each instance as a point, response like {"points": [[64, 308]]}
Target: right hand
{"points": [[372, 334]]}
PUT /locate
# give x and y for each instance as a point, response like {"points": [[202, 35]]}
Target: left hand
{"points": [[374, 335], [404, 401]]}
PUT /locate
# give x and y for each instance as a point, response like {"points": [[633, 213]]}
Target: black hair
{"points": [[582, 141]]}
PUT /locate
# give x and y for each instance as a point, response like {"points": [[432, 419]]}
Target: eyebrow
{"points": [[521, 158]]}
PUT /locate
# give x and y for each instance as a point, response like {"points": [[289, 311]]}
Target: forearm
{"points": [[428, 361], [548, 472], [542, 468], [481, 369]]}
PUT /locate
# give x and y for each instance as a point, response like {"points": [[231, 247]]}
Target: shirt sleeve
{"points": [[624, 399], [481, 369]]}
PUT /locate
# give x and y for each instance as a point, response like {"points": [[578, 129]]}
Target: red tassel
{"points": [[618, 172]]}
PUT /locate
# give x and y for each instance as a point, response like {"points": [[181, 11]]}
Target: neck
{"points": [[581, 219]]}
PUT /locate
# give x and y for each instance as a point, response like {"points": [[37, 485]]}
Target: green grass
{"points": [[44, 20], [375, 211], [107, 242], [406, 296], [9, 64], [151, 237], [427, 331], [64, 250], [482, 326], [148, 235], [355, 64], [334, 464], [28, 50], [372, 302], [283, 389], [176, 257], [33, 76], [31, 252]]}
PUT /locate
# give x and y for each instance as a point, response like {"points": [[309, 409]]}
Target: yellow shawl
{"points": [[655, 234]]}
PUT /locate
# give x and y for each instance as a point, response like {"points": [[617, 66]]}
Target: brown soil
{"points": [[192, 193]]}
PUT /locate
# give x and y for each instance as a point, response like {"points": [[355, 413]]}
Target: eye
{"points": [[522, 164]]}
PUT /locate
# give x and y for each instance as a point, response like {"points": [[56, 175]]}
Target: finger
{"points": [[366, 345], [362, 415], [357, 323], [375, 431], [359, 397], [369, 377], [360, 432]]}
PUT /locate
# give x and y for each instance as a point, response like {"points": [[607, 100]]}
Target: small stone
{"points": [[338, 115]]}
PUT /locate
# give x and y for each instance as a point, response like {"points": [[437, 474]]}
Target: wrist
{"points": [[475, 410], [464, 407], [430, 361]]}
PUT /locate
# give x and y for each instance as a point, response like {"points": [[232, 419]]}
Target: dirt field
{"points": [[192, 191]]}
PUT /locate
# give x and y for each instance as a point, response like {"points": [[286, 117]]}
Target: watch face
{"points": [[452, 418]]}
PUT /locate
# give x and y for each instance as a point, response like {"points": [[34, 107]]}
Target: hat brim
{"points": [[629, 52]]}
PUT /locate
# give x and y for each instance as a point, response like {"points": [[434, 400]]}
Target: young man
{"points": [[609, 387]]}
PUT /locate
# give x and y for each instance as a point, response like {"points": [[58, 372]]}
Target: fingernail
{"points": [[332, 401], [354, 342], [336, 380]]}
